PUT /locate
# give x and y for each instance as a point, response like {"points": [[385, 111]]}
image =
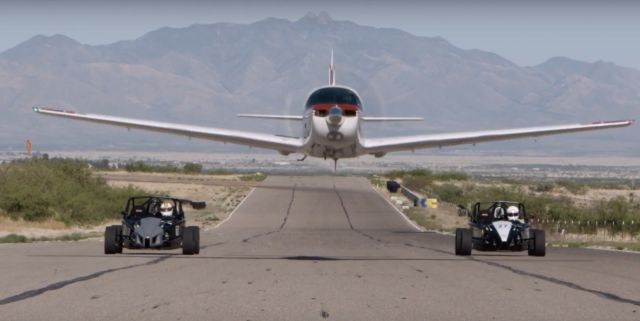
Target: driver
{"points": [[513, 213], [166, 209]]}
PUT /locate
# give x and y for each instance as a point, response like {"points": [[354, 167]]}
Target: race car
{"points": [[498, 226], [154, 222]]}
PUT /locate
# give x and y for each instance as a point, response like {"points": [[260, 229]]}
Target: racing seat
{"points": [[138, 210], [484, 217]]}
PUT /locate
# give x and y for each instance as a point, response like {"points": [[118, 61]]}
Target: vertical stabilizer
{"points": [[332, 72]]}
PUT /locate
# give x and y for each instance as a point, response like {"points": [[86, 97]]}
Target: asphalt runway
{"points": [[315, 248]]}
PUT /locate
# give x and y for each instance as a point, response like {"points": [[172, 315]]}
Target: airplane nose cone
{"points": [[335, 116]]}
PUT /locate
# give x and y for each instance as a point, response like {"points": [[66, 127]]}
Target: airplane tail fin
{"points": [[332, 72]]}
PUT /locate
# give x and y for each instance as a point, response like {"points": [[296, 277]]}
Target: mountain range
{"points": [[205, 74]]}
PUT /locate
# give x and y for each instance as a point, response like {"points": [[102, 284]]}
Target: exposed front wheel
{"points": [[191, 240], [463, 241], [113, 239], [537, 245]]}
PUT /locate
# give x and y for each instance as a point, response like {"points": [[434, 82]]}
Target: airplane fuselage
{"points": [[332, 123]]}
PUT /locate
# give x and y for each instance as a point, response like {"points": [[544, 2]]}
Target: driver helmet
{"points": [[513, 212], [166, 209]]}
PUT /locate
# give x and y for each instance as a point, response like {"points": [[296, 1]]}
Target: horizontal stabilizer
{"points": [[286, 117]]}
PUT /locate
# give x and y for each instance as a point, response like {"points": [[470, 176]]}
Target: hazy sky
{"points": [[526, 32]]}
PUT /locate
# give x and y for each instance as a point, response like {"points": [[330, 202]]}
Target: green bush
{"points": [[257, 177], [572, 187], [543, 187], [417, 183], [60, 189], [14, 238], [422, 179], [140, 166], [192, 168]]}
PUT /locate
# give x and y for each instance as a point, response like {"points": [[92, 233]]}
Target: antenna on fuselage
{"points": [[332, 72]]}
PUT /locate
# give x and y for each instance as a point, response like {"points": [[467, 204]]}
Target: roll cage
{"points": [[482, 212], [145, 206]]}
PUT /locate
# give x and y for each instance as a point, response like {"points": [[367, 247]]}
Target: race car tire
{"points": [[112, 239], [197, 238], [119, 239], [190, 238], [537, 245], [463, 241]]}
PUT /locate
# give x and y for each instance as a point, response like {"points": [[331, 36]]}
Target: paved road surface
{"points": [[315, 248]]}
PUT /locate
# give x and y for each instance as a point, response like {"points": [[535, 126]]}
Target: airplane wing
{"points": [[365, 118], [282, 144], [287, 117], [381, 146]]}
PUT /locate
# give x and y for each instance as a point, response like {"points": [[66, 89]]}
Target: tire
{"points": [[197, 237], [464, 242], [113, 239], [119, 234], [191, 240], [537, 245], [458, 238]]}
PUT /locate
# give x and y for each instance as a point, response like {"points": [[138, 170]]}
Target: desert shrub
{"points": [[60, 189], [140, 166], [572, 186], [542, 187], [450, 193], [192, 168], [423, 179]]}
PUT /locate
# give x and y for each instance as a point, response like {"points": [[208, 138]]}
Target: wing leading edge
{"points": [[262, 116], [282, 144], [381, 146]]}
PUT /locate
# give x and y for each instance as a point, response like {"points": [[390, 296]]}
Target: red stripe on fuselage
{"points": [[348, 107]]}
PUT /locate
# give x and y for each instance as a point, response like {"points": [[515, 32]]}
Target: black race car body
{"points": [[491, 230], [145, 227], [500, 235], [151, 232]]}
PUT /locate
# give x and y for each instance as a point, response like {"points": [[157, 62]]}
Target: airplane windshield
{"points": [[334, 95]]}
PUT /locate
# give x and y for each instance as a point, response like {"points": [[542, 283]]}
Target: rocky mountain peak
{"points": [[322, 18]]}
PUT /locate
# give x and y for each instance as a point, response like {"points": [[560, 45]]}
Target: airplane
{"points": [[332, 121]]}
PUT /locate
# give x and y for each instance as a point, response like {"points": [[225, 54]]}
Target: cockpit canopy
{"points": [[326, 97]]}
